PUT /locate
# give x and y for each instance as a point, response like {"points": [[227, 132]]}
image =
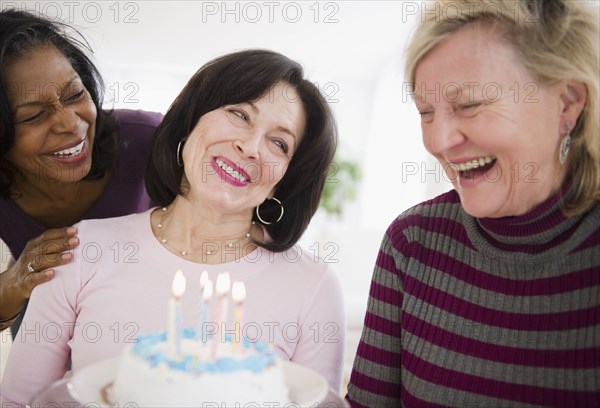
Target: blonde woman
{"points": [[489, 295]]}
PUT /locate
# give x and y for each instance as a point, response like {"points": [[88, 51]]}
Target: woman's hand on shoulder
{"points": [[43, 253]]}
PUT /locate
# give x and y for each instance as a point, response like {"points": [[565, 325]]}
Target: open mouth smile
{"points": [[236, 174], [473, 167], [70, 152]]}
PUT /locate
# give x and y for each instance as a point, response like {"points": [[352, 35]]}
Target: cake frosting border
{"points": [[261, 355]]}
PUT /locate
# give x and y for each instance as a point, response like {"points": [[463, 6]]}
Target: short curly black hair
{"points": [[21, 33]]}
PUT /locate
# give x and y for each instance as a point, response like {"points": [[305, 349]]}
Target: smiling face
{"points": [[235, 155], [495, 130], [54, 118]]}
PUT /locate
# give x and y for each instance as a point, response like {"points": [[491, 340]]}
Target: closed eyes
{"points": [[426, 115], [77, 96], [47, 107], [468, 109], [33, 118]]}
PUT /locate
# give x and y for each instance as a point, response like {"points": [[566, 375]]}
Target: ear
{"points": [[573, 96]]}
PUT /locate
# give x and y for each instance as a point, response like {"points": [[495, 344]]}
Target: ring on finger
{"points": [[30, 268]]}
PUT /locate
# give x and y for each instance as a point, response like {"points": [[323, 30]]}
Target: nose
{"points": [[444, 133], [248, 145], [66, 120]]}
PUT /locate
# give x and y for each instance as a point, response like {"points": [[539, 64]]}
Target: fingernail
{"points": [[66, 255], [49, 273], [73, 240], [72, 230]]}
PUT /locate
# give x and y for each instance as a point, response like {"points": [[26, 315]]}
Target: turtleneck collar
{"points": [[542, 229]]}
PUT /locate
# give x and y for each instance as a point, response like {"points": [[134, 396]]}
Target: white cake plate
{"points": [[91, 385]]}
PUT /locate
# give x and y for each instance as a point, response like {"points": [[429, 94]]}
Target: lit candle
{"points": [[203, 280], [223, 286], [174, 315], [200, 312], [207, 292], [238, 294]]}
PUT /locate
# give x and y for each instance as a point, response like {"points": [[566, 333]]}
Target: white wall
{"points": [[353, 50], [147, 50]]}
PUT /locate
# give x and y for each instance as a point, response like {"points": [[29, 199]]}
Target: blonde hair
{"points": [[556, 40]]}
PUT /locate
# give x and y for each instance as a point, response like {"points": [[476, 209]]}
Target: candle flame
{"points": [[238, 291], [208, 290], [178, 284], [203, 279], [223, 284]]}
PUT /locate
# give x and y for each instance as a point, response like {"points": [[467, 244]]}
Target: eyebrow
{"points": [[455, 93], [39, 102], [280, 128]]}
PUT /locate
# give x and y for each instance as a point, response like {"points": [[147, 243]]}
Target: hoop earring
{"points": [[565, 145], [278, 219], [180, 152]]}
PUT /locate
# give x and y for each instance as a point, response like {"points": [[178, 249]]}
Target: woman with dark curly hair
{"points": [[62, 158]]}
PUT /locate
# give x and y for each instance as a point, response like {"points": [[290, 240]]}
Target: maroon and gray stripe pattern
{"points": [[469, 312]]}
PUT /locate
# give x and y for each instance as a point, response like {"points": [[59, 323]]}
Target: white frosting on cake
{"points": [[239, 374]]}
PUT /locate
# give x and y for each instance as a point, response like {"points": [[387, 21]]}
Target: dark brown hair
{"points": [[242, 77]]}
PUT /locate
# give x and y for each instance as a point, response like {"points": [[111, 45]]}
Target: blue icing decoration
{"points": [[261, 355], [180, 365], [261, 347], [226, 365], [157, 358], [256, 363]]}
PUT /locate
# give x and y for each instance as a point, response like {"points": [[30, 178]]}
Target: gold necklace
{"points": [[183, 252]]}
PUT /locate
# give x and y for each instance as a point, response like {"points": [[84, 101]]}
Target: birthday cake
{"points": [[227, 374]]}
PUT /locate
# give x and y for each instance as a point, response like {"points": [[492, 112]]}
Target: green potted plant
{"points": [[340, 187]]}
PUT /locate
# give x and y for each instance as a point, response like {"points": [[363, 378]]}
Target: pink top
{"points": [[119, 285]]}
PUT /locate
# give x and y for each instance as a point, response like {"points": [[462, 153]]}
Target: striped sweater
{"points": [[468, 312]]}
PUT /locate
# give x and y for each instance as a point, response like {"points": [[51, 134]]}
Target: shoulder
{"points": [[95, 229], [301, 258], [136, 127], [306, 269], [443, 205], [136, 131], [137, 118], [441, 210], [311, 283], [441, 216], [588, 232], [593, 217]]}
